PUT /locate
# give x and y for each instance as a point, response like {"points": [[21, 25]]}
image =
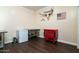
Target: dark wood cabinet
{"points": [[33, 33]]}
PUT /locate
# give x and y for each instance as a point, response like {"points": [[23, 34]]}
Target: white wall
{"points": [[78, 27], [12, 18], [67, 27]]}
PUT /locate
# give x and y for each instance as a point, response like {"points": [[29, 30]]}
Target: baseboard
{"points": [[77, 47], [58, 41], [8, 42], [41, 36], [70, 43]]}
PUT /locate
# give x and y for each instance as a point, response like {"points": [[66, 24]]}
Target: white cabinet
{"points": [[22, 35]]}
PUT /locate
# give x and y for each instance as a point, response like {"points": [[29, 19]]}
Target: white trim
{"points": [[71, 43], [41, 36], [77, 47], [8, 42]]}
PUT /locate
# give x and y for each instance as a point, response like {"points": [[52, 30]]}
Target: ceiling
{"points": [[34, 8]]}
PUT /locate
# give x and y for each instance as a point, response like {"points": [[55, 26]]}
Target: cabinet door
{"points": [[23, 36]]}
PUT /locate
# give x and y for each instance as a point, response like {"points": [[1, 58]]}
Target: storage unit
{"points": [[1, 41], [33, 33], [22, 35], [51, 35], [2, 38]]}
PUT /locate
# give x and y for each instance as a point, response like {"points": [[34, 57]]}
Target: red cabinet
{"points": [[51, 35]]}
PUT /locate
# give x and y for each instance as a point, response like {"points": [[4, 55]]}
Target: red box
{"points": [[51, 35]]}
